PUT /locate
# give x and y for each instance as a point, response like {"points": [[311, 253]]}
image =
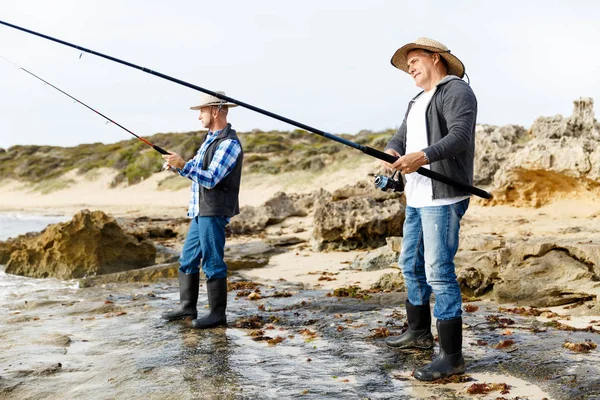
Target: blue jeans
{"points": [[427, 259], [205, 242]]}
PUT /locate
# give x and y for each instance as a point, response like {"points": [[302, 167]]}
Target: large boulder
{"points": [[362, 221], [548, 273], [92, 243]]}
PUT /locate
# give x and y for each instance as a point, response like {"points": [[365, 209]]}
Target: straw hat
{"points": [[208, 100], [455, 66]]}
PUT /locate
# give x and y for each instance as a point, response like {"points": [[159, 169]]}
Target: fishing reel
{"points": [[386, 183]]}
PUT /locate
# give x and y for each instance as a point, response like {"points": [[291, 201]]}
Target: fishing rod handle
{"points": [[160, 150]]}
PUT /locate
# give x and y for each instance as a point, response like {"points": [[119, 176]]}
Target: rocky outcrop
{"points": [[354, 216], [155, 273], [493, 146], [540, 273], [253, 254], [380, 258], [561, 159], [478, 271], [155, 229], [92, 243], [362, 221], [391, 281], [549, 273], [253, 219]]}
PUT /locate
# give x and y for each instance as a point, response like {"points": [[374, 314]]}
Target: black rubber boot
{"points": [[217, 301], [188, 298], [418, 335], [449, 360]]}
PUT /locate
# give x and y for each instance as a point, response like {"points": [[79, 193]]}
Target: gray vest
{"points": [[222, 200]]}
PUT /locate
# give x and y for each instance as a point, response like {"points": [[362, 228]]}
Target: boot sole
{"points": [[409, 347], [180, 318], [222, 324], [429, 379]]}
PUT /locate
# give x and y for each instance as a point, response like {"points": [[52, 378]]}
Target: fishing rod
{"points": [[365, 149], [155, 147]]}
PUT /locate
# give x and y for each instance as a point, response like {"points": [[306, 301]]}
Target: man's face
{"points": [[205, 116], [420, 67]]}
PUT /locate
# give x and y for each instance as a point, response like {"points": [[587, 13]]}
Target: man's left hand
{"points": [[174, 160], [412, 162]]}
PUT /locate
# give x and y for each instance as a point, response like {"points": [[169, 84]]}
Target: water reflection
{"points": [[205, 364]]}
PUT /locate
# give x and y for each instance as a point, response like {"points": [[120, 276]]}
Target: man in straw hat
{"points": [[215, 172], [438, 132]]}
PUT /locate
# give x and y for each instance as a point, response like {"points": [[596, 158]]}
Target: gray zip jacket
{"points": [[451, 117]]}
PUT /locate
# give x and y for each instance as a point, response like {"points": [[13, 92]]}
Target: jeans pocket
{"points": [[460, 208]]}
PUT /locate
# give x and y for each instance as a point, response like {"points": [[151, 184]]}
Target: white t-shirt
{"points": [[418, 190]]}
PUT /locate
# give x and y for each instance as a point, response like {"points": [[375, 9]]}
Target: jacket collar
{"points": [[222, 133], [444, 80]]}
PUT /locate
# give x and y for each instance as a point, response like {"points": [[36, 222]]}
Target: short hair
{"points": [[223, 108]]}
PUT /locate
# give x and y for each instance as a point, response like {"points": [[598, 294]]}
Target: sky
{"points": [[323, 63]]}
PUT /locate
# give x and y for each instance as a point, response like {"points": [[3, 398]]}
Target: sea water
{"points": [[14, 224]]}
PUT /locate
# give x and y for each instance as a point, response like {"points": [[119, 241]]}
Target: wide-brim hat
{"points": [[455, 66], [207, 100]]}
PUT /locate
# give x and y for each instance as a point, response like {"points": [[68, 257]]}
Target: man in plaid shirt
{"points": [[215, 172]]}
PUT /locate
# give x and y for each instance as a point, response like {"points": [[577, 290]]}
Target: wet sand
{"points": [[109, 342]]}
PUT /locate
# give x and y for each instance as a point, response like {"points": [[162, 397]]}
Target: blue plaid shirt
{"points": [[221, 165]]}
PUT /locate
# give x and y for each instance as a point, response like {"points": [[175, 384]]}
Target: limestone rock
{"points": [[154, 273], [275, 210], [253, 254], [561, 159], [391, 281], [481, 242], [361, 188], [541, 273], [550, 280], [493, 146], [92, 243], [550, 273], [377, 259], [165, 255], [394, 243], [155, 228], [477, 271], [356, 222], [380, 258]]}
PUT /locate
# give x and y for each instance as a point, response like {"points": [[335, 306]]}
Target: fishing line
{"points": [[155, 147]]}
